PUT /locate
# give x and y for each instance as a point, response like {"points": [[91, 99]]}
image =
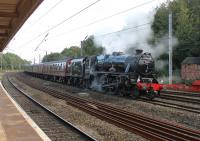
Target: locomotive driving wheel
{"points": [[121, 91], [102, 80], [150, 94], [135, 93]]}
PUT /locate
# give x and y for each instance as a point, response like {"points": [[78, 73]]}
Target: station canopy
{"points": [[13, 14]]}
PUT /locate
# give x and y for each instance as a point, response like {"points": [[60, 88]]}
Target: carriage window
{"points": [[77, 67]]}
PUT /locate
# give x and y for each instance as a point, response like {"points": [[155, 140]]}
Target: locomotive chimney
{"points": [[139, 51]]}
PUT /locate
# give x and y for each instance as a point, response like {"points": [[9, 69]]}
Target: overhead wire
{"points": [[36, 21], [75, 14], [60, 23], [41, 41], [125, 29], [54, 6], [121, 12], [46, 13], [104, 18], [135, 27]]}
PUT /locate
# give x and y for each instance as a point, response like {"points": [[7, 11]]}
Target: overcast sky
{"points": [[69, 33]]}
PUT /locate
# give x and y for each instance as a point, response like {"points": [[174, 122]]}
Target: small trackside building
{"points": [[190, 68]]}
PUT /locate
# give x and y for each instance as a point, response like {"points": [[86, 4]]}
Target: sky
{"points": [[51, 18]]}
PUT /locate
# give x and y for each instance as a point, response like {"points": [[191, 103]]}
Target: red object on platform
{"points": [[196, 83], [195, 87]]}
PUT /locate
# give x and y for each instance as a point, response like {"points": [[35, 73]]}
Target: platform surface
{"points": [[13, 125]]}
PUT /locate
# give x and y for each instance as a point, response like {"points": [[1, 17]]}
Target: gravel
{"points": [[97, 128], [102, 130], [188, 119]]}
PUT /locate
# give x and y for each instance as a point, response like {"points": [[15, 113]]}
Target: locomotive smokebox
{"points": [[138, 51]]}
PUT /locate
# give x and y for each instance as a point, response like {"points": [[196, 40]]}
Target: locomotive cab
{"points": [[77, 67]]}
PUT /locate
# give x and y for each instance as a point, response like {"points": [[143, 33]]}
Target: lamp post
{"points": [[170, 48]]}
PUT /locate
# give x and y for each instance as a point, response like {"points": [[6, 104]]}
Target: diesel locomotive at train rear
{"points": [[132, 75]]}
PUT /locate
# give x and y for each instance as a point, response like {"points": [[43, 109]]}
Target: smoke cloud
{"points": [[136, 37]]}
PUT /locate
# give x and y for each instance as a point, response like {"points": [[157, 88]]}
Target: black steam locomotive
{"points": [[119, 73]]}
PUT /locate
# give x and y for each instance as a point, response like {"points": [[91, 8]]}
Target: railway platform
{"points": [[15, 124]]}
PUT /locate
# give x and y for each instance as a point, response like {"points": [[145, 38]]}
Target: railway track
{"points": [[182, 93], [170, 96], [144, 126], [189, 97], [165, 103], [173, 105], [55, 127], [186, 97], [181, 98], [168, 102]]}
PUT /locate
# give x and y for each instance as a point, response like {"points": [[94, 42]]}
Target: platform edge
{"points": [[27, 117]]}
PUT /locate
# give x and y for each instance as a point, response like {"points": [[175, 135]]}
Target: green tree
{"points": [[90, 48], [186, 25], [73, 51], [160, 24], [52, 57], [12, 61]]}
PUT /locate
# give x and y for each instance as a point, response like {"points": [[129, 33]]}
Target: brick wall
{"points": [[190, 71]]}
